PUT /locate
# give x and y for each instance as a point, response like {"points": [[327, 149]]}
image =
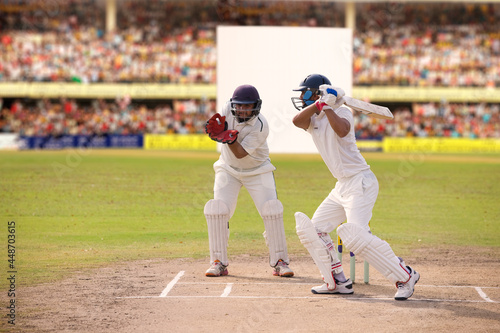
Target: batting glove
{"points": [[330, 95]]}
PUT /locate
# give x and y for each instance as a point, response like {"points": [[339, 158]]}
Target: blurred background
{"points": [[129, 73]]}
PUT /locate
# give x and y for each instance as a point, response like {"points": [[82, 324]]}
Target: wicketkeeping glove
{"points": [[228, 136], [216, 125]]}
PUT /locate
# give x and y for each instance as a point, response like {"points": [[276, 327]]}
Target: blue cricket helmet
{"points": [[309, 87]]}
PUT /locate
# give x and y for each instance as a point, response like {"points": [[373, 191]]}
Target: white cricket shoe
{"points": [[217, 269], [405, 290], [340, 288], [282, 269]]}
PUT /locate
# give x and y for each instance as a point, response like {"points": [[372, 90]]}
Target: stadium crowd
{"points": [[123, 116], [421, 45], [165, 41], [175, 42], [448, 120], [72, 46]]}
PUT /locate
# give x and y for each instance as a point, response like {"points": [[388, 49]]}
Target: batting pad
{"points": [[308, 235], [217, 215], [374, 250], [272, 214]]}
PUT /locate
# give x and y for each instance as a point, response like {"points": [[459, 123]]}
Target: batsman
{"points": [[331, 126], [244, 161]]}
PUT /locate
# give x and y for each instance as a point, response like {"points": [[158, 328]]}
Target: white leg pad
{"points": [[324, 255], [374, 250], [217, 215], [272, 214]]}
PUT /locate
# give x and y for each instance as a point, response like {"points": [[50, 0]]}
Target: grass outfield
{"points": [[79, 209]]}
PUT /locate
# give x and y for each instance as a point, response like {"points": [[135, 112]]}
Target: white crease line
{"points": [[438, 286], [312, 283], [256, 283], [227, 290], [321, 298], [483, 295], [171, 284]]}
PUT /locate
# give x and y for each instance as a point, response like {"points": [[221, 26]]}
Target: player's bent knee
{"points": [[374, 250], [354, 237], [272, 209], [216, 208]]}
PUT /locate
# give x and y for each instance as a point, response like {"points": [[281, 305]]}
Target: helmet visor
{"points": [[245, 111], [305, 98]]}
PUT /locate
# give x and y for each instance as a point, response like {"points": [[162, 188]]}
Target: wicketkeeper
{"points": [[331, 126], [244, 161]]}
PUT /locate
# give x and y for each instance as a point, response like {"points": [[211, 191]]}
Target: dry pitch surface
{"points": [[459, 291]]}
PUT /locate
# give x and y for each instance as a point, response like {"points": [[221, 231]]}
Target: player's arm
{"points": [[237, 149], [340, 125], [303, 118], [330, 100], [251, 142]]}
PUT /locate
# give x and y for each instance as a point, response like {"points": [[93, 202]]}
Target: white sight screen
{"points": [[275, 60]]}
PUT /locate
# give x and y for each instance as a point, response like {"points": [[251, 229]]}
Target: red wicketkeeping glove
{"points": [[215, 125], [228, 136]]}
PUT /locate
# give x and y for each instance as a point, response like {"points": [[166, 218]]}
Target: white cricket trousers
{"points": [[261, 188], [352, 199]]}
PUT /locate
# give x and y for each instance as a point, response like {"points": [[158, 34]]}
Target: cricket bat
{"points": [[373, 110]]}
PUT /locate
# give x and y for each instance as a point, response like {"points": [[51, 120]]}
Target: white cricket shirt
{"points": [[341, 155], [252, 137]]}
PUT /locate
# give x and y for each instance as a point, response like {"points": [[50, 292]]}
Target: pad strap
{"points": [[321, 249]]}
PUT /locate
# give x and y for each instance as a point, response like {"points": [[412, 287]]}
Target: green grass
{"points": [[74, 210], [439, 203]]}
